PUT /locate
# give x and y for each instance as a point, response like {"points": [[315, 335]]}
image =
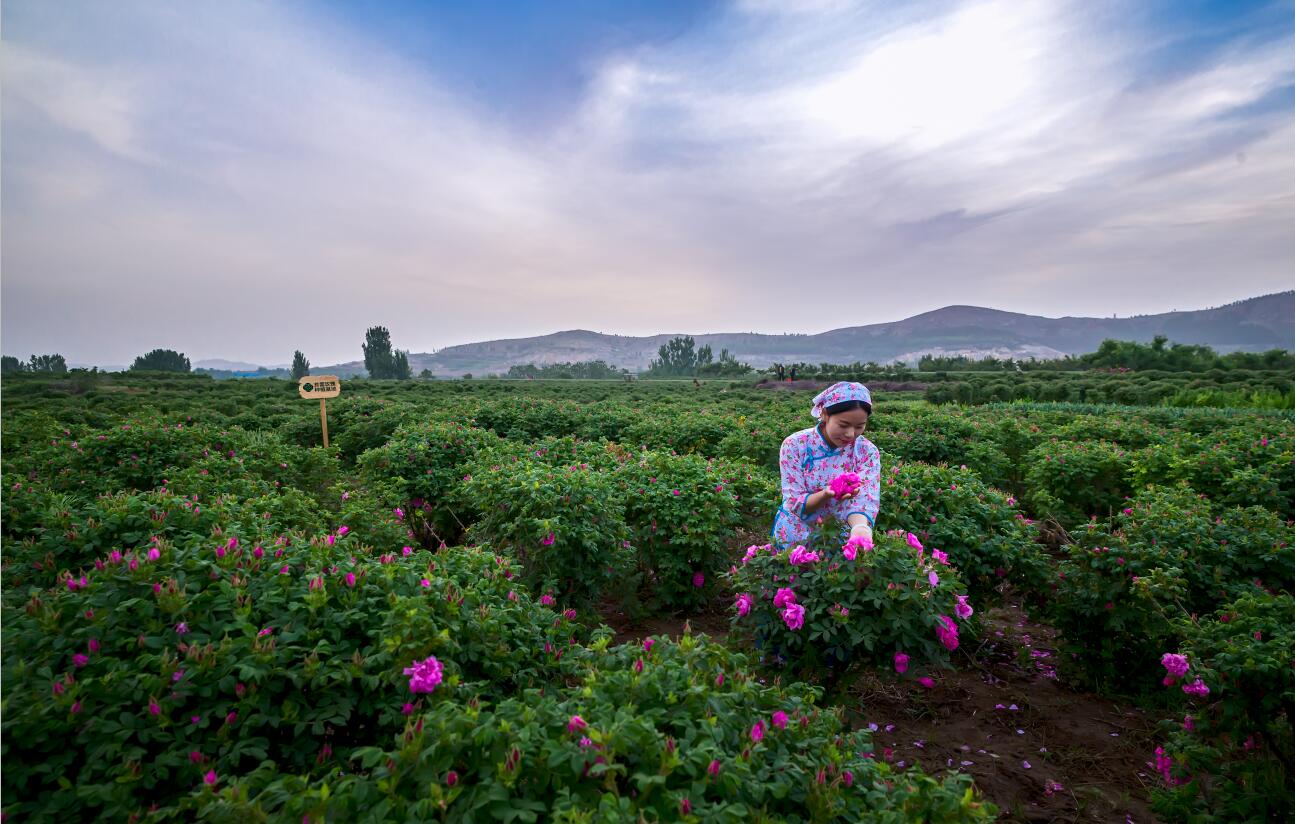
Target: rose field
{"points": [[531, 601]]}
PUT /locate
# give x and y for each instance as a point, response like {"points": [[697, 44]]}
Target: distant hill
{"points": [[1252, 325], [234, 366]]}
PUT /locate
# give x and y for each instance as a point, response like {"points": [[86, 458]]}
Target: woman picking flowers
{"points": [[830, 469]]}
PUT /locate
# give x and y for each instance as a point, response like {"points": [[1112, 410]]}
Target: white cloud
{"points": [[208, 178]]}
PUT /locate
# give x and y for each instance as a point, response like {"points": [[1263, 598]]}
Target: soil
{"points": [[628, 630], [1039, 751]]}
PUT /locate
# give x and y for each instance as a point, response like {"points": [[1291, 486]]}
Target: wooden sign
{"points": [[319, 386], [322, 387]]}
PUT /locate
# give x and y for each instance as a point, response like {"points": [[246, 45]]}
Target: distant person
{"points": [[782, 373], [696, 383], [793, 373], [811, 458]]}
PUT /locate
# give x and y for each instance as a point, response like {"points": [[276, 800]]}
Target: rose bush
{"points": [[681, 515], [128, 684], [1231, 755], [823, 610], [1168, 554], [674, 732], [987, 538], [565, 526], [1072, 481]]}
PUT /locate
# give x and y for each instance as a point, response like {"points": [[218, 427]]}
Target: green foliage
{"points": [[1170, 554], [688, 432], [565, 526], [988, 539], [631, 736], [580, 370], [97, 464], [426, 463], [400, 366], [1239, 466], [300, 366], [380, 361], [856, 612], [1072, 481], [50, 364], [725, 366], [225, 656], [680, 514], [161, 360], [675, 358], [1236, 762], [1253, 399]]}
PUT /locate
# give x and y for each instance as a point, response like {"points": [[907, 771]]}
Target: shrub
{"points": [[1169, 555], [987, 538], [1233, 760], [659, 735], [680, 514], [844, 611], [1071, 481], [212, 658], [565, 526], [424, 465]]}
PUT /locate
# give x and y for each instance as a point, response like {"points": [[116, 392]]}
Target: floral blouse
{"points": [[808, 463]]}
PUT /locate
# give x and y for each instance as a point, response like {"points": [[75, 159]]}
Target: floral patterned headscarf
{"points": [[839, 393]]}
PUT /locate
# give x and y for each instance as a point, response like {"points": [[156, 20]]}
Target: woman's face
{"points": [[843, 427]]}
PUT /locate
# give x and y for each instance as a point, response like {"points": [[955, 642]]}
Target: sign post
{"points": [[322, 387]]}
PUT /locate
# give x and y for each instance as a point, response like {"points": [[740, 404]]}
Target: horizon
{"points": [[241, 181], [285, 365]]}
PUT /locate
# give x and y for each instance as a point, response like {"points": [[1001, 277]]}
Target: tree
{"points": [[9, 365], [300, 366], [678, 357], [426, 375], [378, 358], [726, 366], [400, 366], [53, 364], [161, 360]]}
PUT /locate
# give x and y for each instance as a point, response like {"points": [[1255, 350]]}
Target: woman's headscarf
{"points": [[839, 393]]}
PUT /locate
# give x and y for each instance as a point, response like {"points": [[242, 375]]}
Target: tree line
{"points": [[680, 357]]}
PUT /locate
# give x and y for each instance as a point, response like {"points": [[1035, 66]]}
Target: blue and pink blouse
{"points": [[808, 463]]}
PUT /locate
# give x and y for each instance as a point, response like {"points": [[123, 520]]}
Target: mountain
{"points": [[234, 366], [1257, 324]]}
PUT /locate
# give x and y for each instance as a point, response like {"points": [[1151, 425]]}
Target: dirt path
{"points": [[1036, 749]]}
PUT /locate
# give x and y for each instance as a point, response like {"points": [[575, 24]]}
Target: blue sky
{"points": [[242, 179]]}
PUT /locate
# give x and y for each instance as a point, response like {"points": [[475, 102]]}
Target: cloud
{"points": [[240, 180]]}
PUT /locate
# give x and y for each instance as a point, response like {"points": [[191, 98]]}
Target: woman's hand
{"points": [[861, 530]]}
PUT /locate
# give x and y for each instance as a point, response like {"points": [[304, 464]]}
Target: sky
{"points": [[240, 179]]}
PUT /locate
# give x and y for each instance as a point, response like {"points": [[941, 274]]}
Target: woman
{"points": [[811, 458]]}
